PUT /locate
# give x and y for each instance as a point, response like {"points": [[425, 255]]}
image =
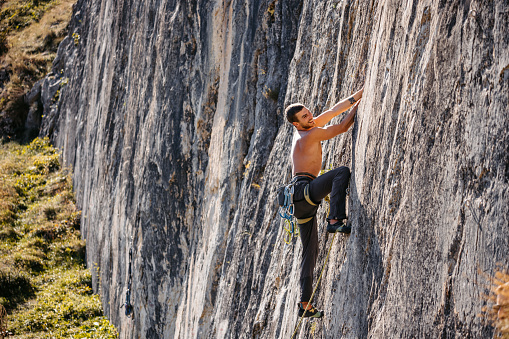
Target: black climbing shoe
{"points": [[339, 226], [311, 313]]}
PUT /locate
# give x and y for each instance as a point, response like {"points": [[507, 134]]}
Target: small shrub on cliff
{"points": [[498, 312], [272, 94], [501, 307]]}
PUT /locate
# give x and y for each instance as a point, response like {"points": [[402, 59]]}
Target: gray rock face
{"points": [[172, 118]]}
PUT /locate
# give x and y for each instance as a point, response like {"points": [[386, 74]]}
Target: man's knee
{"points": [[343, 171]]}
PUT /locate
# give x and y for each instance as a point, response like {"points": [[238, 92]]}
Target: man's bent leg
{"points": [[334, 182], [309, 237], [338, 194]]}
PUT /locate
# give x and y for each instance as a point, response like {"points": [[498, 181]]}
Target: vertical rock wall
{"points": [[171, 115]]}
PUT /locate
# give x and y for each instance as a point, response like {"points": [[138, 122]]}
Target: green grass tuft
{"points": [[64, 302]]}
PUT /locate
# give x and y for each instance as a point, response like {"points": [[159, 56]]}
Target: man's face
{"points": [[305, 119]]}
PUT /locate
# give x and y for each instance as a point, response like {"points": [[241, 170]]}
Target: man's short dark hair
{"points": [[292, 110]]}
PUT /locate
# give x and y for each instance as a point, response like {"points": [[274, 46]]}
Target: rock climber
{"points": [[310, 189]]}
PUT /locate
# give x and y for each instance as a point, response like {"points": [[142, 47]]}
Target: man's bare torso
{"points": [[306, 155]]}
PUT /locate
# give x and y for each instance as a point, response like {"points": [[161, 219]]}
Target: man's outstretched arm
{"points": [[329, 132], [338, 108]]}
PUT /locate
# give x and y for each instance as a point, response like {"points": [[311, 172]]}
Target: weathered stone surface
{"points": [[172, 120]]}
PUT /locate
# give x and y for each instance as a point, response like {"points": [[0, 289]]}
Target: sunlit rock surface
{"points": [[171, 115]]}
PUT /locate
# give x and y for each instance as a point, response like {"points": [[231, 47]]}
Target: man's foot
{"points": [[339, 226], [310, 313]]}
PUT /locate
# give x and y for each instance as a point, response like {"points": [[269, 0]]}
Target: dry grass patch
{"points": [[30, 32], [45, 34]]}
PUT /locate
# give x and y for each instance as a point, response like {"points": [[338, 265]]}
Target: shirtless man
{"points": [[309, 189]]}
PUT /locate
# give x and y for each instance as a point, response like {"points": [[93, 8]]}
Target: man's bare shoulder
{"points": [[311, 135]]}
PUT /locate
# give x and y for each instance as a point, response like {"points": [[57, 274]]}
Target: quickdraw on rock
{"points": [[128, 306], [129, 309]]}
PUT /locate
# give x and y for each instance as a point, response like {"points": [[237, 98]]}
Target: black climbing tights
{"points": [[334, 182]]}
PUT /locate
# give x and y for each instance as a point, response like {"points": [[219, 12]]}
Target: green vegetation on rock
{"points": [[30, 32], [46, 288]]}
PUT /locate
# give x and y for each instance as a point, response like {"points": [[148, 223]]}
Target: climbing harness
{"points": [[316, 286], [286, 210], [128, 305], [307, 197]]}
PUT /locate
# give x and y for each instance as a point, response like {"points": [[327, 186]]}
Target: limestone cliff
{"points": [[171, 115]]}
